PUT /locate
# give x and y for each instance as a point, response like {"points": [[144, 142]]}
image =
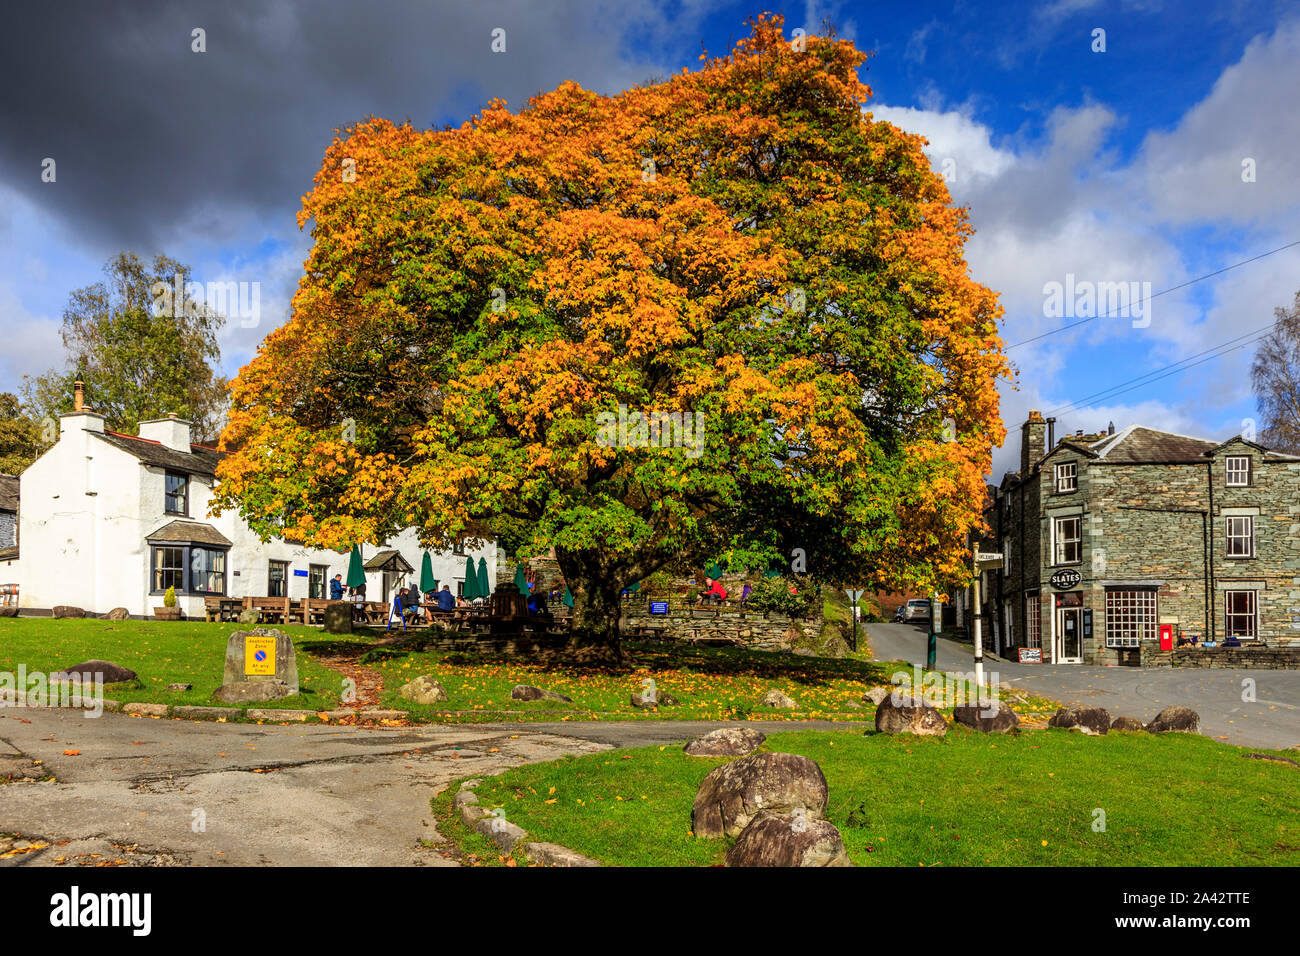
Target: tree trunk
{"points": [[597, 605]]}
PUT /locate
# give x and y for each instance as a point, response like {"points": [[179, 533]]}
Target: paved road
{"points": [[269, 794], [1272, 720]]}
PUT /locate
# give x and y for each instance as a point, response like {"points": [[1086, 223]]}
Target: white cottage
{"points": [[112, 520]]}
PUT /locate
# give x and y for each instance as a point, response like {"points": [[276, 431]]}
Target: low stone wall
{"points": [[1265, 658], [727, 624]]}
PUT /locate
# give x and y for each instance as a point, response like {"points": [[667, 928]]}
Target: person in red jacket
{"points": [[716, 591]]}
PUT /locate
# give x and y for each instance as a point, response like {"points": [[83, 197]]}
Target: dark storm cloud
{"points": [[153, 140]]}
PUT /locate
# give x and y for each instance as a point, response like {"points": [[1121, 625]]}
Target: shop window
{"points": [[1033, 622], [1131, 618]]}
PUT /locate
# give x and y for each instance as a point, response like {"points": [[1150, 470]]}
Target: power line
{"points": [[1142, 379], [1166, 374], [1181, 285]]}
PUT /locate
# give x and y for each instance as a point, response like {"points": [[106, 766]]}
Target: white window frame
{"points": [[1241, 470], [1251, 616], [1066, 477], [1058, 542], [1033, 621], [1132, 616], [1230, 536]]}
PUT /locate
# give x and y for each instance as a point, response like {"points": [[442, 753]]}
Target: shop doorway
{"points": [[1069, 629]]}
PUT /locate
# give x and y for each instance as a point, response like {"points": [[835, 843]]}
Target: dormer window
{"points": [[177, 494], [1238, 470], [1067, 477]]}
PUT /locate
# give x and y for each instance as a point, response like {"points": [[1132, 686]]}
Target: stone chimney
{"points": [[1032, 433], [171, 432]]}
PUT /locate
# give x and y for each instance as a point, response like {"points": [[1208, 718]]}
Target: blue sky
{"points": [[1115, 166]]}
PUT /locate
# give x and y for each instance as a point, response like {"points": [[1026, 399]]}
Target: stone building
{"points": [[1112, 538]]}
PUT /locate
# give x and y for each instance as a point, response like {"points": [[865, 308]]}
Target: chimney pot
{"points": [[78, 396]]}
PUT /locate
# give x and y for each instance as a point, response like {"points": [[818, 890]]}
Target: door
{"points": [[1069, 635]]}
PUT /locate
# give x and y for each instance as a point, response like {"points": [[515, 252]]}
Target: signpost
{"points": [[936, 625], [984, 561], [854, 595]]}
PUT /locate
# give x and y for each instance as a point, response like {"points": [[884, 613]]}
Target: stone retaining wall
{"points": [[726, 624], [1267, 658]]}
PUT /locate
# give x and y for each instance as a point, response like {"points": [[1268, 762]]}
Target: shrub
{"points": [[773, 595], [169, 598]]}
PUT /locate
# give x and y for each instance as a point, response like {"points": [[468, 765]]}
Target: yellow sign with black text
{"points": [[259, 656]]}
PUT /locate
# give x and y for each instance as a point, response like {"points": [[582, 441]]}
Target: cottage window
{"points": [[207, 571], [277, 579], [316, 582], [168, 569], [1130, 618], [177, 494], [1240, 614], [1067, 477], [458, 548], [1067, 547], [1238, 471], [1241, 536]]}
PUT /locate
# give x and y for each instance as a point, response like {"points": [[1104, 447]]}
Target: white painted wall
{"points": [[87, 506]]}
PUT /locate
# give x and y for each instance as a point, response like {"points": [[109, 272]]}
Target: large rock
{"points": [[1126, 723], [260, 655], [252, 691], [908, 715], [67, 610], [726, 742], [9, 611], [112, 673], [250, 616], [117, 614], [836, 647], [1094, 721], [1177, 719], [423, 690], [733, 794], [774, 698], [990, 718], [773, 839], [527, 692], [876, 695], [338, 619]]}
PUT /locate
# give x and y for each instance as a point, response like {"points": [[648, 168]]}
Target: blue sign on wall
{"points": [[658, 607], [299, 574]]}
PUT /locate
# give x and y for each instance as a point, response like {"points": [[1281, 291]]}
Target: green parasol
{"points": [[713, 571], [471, 580], [484, 586], [427, 581], [356, 569], [568, 598], [521, 582]]}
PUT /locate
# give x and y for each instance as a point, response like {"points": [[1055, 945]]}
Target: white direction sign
{"points": [[988, 561]]}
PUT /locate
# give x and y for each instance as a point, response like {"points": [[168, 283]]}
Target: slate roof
{"points": [[187, 532], [1138, 443], [8, 493], [383, 561], [200, 460]]}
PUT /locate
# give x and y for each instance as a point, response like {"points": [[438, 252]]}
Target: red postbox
{"points": [[1166, 637]]}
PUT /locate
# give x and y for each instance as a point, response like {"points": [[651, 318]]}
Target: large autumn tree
{"points": [[741, 241]]}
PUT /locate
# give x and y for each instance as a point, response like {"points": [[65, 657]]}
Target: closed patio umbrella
{"points": [[427, 581], [568, 597], [484, 585], [713, 571], [521, 582], [471, 580], [356, 569]]}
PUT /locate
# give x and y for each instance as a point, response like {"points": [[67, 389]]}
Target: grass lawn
{"points": [[964, 800], [161, 653]]}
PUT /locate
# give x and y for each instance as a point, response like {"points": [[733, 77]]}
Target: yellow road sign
{"points": [[259, 655]]}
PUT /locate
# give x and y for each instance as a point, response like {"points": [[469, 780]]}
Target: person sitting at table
{"points": [[446, 600], [411, 603]]}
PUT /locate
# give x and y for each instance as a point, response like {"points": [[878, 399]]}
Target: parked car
{"points": [[917, 610]]}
